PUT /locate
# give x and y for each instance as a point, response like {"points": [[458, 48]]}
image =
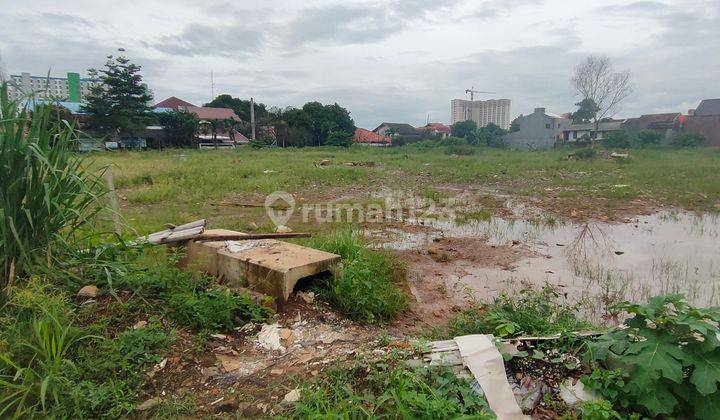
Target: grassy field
{"points": [[180, 185]]}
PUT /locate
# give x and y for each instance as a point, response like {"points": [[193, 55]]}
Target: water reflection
{"points": [[600, 263]]}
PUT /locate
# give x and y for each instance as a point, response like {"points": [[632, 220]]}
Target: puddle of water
{"points": [[600, 263]]}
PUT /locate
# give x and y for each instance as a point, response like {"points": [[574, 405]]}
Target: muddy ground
{"points": [[449, 266]]}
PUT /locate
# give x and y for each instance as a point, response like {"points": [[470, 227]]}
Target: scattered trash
{"points": [[268, 171], [157, 368], [89, 291], [307, 297], [619, 252], [528, 392], [292, 396], [574, 392], [286, 334], [619, 155], [140, 324], [269, 337], [483, 359]]}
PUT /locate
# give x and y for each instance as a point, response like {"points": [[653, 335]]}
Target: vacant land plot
{"points": [[157, 187]]}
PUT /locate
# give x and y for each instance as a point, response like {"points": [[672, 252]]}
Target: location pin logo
{"points": [[278, 211]]}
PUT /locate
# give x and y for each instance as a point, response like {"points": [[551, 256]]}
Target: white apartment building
{"points": [[496, 111], [71, 88]]}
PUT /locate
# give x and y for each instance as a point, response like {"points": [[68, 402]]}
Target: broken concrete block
{"points": [[267, 266]]}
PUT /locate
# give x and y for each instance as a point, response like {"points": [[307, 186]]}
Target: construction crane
{"points": [[472, 92]]}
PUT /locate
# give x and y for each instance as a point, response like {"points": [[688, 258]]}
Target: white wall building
{"points": [[496, 111], [72, 88]]}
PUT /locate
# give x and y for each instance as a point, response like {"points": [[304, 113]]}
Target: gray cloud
{"points": [[202, 39]]}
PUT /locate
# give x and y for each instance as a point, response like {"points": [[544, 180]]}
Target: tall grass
{"points": [[46, 193], [369, 286]]}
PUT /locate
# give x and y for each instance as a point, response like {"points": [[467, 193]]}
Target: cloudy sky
{"points": [[385, 60]]}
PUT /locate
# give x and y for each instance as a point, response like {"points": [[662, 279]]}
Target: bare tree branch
{"points": [[596, 80]]}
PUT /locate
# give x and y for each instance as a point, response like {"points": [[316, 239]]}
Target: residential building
{"points": [[369, 138], [707, 107], [665, 124], [436, 129], [398, 130], [72, 88], [496, 111], [205, 115], [703, 120], [539, 130], [580, 132], [172, 103]]}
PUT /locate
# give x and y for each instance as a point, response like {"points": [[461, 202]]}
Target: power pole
{"points": [[212, 86], [252, 118]]}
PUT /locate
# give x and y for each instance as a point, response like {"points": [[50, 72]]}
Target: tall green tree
{"points": [[463, 128], [120, 102], [180, 127], [585, 113], [240, 106]]}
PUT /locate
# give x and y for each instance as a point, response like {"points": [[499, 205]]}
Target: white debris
{"points": [[292, 396], [576, 393], [269, 337]]}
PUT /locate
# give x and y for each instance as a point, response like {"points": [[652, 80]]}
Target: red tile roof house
{"points": [[369, 138], [436, 129], [206, 114]]}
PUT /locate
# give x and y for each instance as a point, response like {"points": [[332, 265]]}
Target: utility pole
{"points": [[252, 118], [212, 86]]}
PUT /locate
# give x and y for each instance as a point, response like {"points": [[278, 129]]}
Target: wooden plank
{"points": [[248, 236]]}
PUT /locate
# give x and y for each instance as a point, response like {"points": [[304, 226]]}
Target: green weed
{"points": [[368, 286], [38, 375], [528, 312], [389, 388], [215, 310], [670, 358]]}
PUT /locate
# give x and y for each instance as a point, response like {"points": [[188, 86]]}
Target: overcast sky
{"points": [[384, 60]]}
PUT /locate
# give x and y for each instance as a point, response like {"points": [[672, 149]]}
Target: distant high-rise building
{"points": [[73, 88], [496, 111]]}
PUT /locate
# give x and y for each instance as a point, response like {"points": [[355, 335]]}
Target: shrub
{"points": [[215, 310], [46, 193], [262, 142], [460, 150], [340, 138], [648, 138], [367, 287], [617, 139], [585, 153], [454, 141], [532, 312], [688, 140], [670, 354]]}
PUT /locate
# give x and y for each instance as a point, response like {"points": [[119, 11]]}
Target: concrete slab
{"points": [[265, 265]]}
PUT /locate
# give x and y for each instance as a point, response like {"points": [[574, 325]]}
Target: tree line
{"points": [[119, 105]]}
